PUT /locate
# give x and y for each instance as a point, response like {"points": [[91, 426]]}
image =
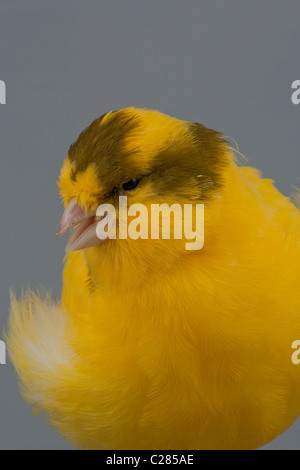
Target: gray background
{"points": [[228, 64]]}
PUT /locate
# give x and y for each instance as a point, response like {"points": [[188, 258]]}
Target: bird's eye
{"points": [[131, 184]]}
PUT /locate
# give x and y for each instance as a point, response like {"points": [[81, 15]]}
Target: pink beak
{"points": [[84, 235]]}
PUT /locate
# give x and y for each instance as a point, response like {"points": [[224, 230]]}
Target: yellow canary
{"points": [[156, 346]]}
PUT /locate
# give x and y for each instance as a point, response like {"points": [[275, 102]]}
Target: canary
{"points": [[154, 346]]}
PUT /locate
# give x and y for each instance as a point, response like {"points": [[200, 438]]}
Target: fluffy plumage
{"points": [[154, 346]]}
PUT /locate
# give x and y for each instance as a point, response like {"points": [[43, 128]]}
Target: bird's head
{"points": [[150, 158]]}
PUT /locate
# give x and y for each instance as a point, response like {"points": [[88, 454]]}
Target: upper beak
{"points": [[84, 236]]}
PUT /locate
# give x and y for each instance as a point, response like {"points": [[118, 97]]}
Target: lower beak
{"points": [[84, 234]]}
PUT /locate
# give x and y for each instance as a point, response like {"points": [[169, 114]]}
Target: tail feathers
{"points": [[38, 346]]}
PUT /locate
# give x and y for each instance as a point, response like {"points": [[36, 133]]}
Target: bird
{"points": [[152, 345]]}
